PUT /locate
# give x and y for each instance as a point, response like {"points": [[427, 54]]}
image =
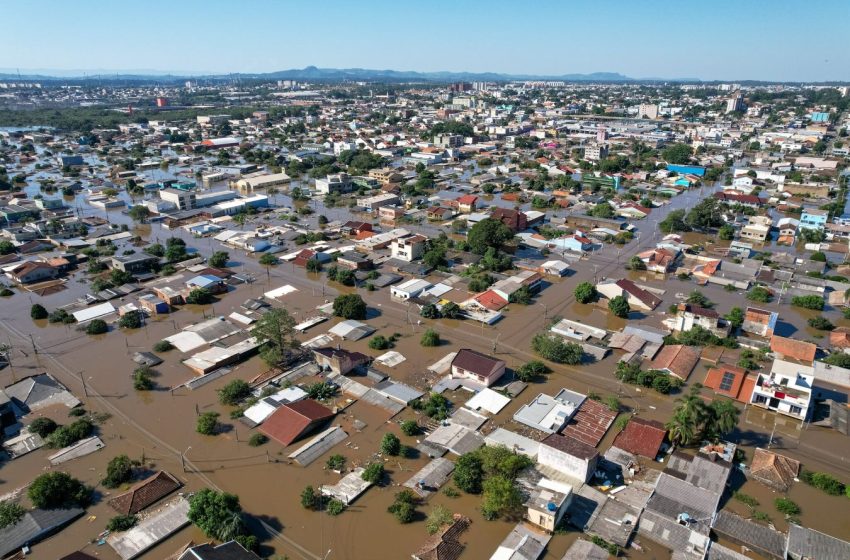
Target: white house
{"points": [[409, 289], [569, 456], [787, 389]]}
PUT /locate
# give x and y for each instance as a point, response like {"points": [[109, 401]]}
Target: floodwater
{"points": [[159, 426]]}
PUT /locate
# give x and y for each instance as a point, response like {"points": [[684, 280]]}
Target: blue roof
{"points": [[690, 169]]}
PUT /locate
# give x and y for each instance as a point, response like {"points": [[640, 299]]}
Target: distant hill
{"points": [[312, 73]]}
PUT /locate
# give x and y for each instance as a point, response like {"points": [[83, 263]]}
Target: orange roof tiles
{"points": [[794, 349]]}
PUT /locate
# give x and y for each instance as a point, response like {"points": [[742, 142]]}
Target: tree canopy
{"points": [[488, 233], [276, 332], [350, 306]]}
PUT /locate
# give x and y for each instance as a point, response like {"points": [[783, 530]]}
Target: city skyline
{"points": [[654, 40]]}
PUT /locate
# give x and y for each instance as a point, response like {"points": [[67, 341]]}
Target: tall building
{"points": [[735, 103], [648, 111]]}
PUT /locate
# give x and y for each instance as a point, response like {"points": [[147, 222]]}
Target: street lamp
{"points": [[183, 458]]}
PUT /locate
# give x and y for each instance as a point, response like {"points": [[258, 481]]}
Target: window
{"points": [[727, 381], [760, 399], [796, 410]]}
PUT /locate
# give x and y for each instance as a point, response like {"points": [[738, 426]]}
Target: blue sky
{"points": [[707, 39]]}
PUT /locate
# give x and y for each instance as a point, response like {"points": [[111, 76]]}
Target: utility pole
{"points": [[83, 381], [34, 349]]}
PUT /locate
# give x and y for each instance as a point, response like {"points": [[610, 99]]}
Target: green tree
{"points": [[530, 370], [451, 310], [256, 440], [390, 444], [313, 265], [821, 323], [219, 259], [207, 423], [310, 499], [409, 427], [235, 391], [787, 507], [585, 292], [70, 434], [118, 471], [501, 498], [200, 296], [619, 306], [374, 473], [556, 349], [6, 247], [735, 317], [267, 259], [469, 473], [349, 306], [726, 232], [696, 297], [674, 222], [379, 342], [488, 233], [130, 320], [121, 523], [403, 507], [808, 302], [635, 263], [759, 294], [38, 312], [336, 462], [677, 154], [429, 311], [334, 507], [58, 490], [522, 296], [139, 213], [43, 426], [163, 346], [602, 210], [10, 513], [438, 517], [218, 514], [721, 418], [430, 338], [97, 326], [275, 331], [688, 418]]}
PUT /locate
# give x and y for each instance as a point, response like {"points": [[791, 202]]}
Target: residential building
{"points": [[337, 183], [642, 437], [32, 271], [386, 175], [479, 368], [292, 421], [659, 260], [410, 289], [547, 503], [637, 297], [757, 228], [735, 104], [687, 316], [467, 203], [514, 219], [568, 456], [137, 263], [448, 140], [774, 470], [794, 349], [408, 248], [230, 550], [786, 389], [647, 111], [759, 321], [372, 203], [181, 199], [549, 414], [731, 381], [339, 360], [813, 218], [595, 152], [676, 359]]}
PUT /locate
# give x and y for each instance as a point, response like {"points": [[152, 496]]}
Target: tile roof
{"points": [[491, 300], [731, 381], [648, 299], [570, 446], [763, 540], [444, 545], [641, 437], [590, 422], [774, 470], [678, 359], [231, 550], [808, 543], [477, 363], [145, 493], [792, 348], [292, 420], [840, 337]]}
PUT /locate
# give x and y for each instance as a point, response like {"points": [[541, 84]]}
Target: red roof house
{"points": [[642, 437], [731, 381], [293, 421]]}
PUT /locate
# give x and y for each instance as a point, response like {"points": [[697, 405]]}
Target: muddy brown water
{"points": [[269, 487]]}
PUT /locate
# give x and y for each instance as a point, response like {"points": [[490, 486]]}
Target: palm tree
{"points": [[723, 417], [231, 526], [689, 418], [682, 429]]}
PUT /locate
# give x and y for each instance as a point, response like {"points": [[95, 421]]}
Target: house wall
{"points": [[567, 464]]}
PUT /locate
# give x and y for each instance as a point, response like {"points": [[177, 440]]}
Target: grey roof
{"points": [[228, 551], [759, 538], [147, 359], [808, 543], [432, 476], [684, 541], [40, 391], [615, 522], [707, 471], [398, 391], [720, 552], [33, 526], [673, 497], [585, 550], [526, 544]]}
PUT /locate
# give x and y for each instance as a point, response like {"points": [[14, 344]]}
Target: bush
{"points": [[824, 481], [37, 312], [321, 391], [821, 323], [808, 302], [207, 423], [374, 473], [403, 507], [10, 513], [118, 471], [379, 342], [257, 439], [531, 370], [786, 506], [839, 359], [760, 294], [310, 499], [70, 434], [350, 306], [409, 428], [436, 406], [336, 462], [121, 523], [142, 380], [746, 499], [97, 326], [438, 517], [234, 392], [556, 349], [163, 346], [130, 320], [334, 507], [219, 259], [390, 444], [58, 490], [619, 306], [200, 296], [60, 316], [430, 338], [43, 427]]}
